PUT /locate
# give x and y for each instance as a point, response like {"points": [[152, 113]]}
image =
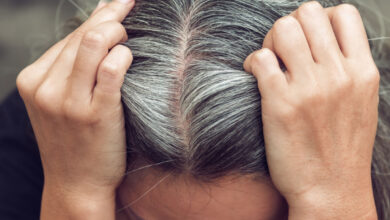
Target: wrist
{"points": [[358, 205], [60, 203]]}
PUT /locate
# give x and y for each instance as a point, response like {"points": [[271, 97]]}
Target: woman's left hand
{"points": [[319, 116]]}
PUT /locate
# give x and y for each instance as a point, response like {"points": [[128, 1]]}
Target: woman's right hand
{"points": [[320, 116], [72, 94]]}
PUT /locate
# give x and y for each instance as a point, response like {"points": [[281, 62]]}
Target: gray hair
{"points": [[191, 108]]}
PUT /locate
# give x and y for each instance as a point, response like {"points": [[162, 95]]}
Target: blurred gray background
{"points": [[29, 27]]}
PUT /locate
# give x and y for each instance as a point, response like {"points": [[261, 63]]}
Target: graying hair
{"points": [[188, 100], [191, 108]]}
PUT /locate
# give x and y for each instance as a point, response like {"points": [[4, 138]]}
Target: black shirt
{"points": [[21, 174]]}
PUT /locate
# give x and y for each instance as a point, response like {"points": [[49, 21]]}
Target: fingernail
{"points": [[125, 1]]}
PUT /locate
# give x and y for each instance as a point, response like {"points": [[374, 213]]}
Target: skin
{"points": [[182, 197], [320, 116], [72, 95], [319, 120]]}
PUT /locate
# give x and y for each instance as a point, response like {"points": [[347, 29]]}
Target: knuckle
{"points": [[309, 97], [368, 77], [118, 26], [260, 56], [70, 111], [45, 100], [128, 52], [94, 39], [115, 26], [302, 104], [120, 30], [77, 35], [346, 81], [284, 24], [288, 113], [111, 12], [73, 112], [373, 77], [22, 81], [109, 68], [309, 8], [347, 10], [313, 98], [344, 85]]}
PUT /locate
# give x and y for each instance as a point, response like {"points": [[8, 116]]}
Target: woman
{"points": [[192, 146]]}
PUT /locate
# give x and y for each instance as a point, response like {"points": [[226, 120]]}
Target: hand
{"points": [[72, 95], [319, 116]]}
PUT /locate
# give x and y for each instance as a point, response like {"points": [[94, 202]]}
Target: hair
{"points": [[189, 104], [190, 108]]}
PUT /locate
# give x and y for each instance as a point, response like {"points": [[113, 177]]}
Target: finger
{"points": [[349, 30], [288, 41], [116, 10], [319, 33], [268, 43], [110, 77], [264, 65], [113, 11], [58, 61], [48, 58], [93, 48], [33, 76], [100, 5]]}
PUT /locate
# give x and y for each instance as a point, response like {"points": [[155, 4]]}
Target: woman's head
{"points": [[193, 116], [193, 108], [189, 103], [194, 113]]}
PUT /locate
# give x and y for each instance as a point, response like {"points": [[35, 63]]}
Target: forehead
{"points": [[155, 196]]}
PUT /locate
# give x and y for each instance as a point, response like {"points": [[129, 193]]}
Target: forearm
{"points": [[58, 205]]}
